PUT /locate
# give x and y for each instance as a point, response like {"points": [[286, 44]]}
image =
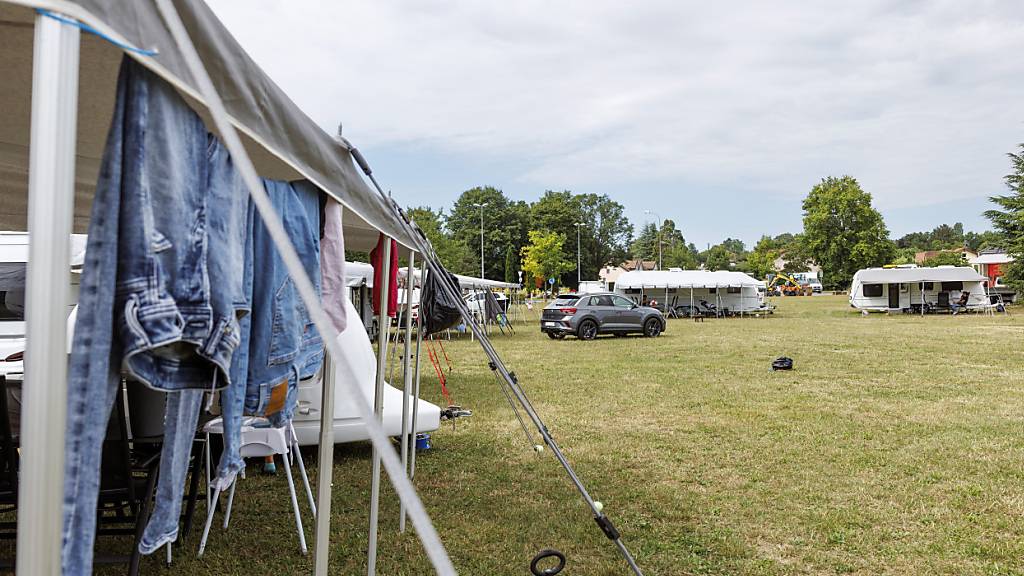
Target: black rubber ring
{"points": [[544, 555]]}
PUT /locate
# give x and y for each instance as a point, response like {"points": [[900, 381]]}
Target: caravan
{"points": [[918, 290]]}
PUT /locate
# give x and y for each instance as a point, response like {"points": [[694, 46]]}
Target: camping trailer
{"points": [[730, 292], [887, 289]]}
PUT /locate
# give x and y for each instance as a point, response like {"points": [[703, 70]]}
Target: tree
{"points": [[718, 257], [761, 261], [1009, 219], [506, 223], [842, 231], [511, 266], [674, 251], [543, 257], [453, 253], [945, 259], [606, 232], [645, 246], [559, 212]]}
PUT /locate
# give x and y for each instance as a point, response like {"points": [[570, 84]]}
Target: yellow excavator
{"points": [[786, 285]]}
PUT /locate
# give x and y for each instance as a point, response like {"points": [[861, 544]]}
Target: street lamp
{"points": [[659, 224], [579, 278], [481, 207]]}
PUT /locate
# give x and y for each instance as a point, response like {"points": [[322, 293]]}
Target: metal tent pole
{"points": [[416, 383], [383, 324], [407, 372], [51, 194], [325, 463], [387, 456]]}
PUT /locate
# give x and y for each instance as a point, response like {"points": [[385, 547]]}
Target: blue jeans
{"points": [[226, 232], [146, 303], [280, 345]]}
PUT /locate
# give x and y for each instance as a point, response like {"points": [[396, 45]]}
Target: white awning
{"points": [[1000, 258], [358, 272], [686, 279], [908, 275]]}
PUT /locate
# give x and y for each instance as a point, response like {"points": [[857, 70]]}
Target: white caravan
{"points": [[905, 288], [358, 365]]}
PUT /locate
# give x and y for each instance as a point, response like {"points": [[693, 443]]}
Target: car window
{"points": [[621, 302]]}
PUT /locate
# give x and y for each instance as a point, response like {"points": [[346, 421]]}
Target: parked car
{"points": [[475, 302], [588, 315]]}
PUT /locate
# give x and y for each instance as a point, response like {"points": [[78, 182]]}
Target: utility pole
{"points": [[481, 207], [659, 225], [579, 272]]}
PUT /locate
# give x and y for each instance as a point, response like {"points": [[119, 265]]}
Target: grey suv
{"points": [[587, 315]]}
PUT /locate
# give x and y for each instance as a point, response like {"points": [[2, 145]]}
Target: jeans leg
{"points": [[180, 418]]}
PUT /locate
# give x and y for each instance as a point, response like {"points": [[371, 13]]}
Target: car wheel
{"points": [[587, 330], [652, 328], [555, 336]]}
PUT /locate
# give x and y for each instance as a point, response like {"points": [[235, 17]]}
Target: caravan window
{"points": [[734, 290], [712, 290], [950, 286], [872, 290], [929, 285]]}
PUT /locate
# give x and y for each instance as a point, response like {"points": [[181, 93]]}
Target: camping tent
{"points": [[883, 289], [735, 291], [57, 89]]}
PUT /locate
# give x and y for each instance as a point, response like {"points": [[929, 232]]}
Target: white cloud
{"points": [[919, 100]]}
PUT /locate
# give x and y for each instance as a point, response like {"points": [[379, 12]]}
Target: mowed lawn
{"points": [[894, 447]]}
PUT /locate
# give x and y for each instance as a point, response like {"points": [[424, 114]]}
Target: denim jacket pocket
{"points": [[285, 338]]}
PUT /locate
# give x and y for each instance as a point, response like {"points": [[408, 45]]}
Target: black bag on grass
{"points": [[438, 311], [782, 363]]}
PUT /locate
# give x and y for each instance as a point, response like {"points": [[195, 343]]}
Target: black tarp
{"points": [[438, 311]]}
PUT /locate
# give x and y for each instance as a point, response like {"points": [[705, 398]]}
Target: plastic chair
{"points": [[260, 442]]}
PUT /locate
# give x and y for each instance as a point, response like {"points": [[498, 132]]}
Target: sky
{"points": [[720, 116]]}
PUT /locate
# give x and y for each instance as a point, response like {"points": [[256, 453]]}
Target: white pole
{"points": [[325, 460], [579, 274], [410, 282], [383, 324], [51, 194], [416, 384]]}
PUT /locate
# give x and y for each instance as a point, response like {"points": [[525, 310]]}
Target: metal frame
{"points": [[51, 187], [410, 283], [383, 326]]}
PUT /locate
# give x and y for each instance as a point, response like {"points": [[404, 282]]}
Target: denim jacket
{"points": [[147, 306]]}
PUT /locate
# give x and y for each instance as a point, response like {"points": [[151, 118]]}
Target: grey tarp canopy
{"points": [[283, 142]]}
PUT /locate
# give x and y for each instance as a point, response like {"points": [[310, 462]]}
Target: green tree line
{"points": [[842, 233]]}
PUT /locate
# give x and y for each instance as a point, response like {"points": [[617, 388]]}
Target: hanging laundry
{"points": [[376, 259], [332, 263], [279, 343], [147, 305]]}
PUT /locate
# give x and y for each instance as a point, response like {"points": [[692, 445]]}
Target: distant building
{"points": [[992, 265], [631, 265], [965, 253], [610, 273]]}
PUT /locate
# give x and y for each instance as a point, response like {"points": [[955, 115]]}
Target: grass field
{"points": [[894, 447]]}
